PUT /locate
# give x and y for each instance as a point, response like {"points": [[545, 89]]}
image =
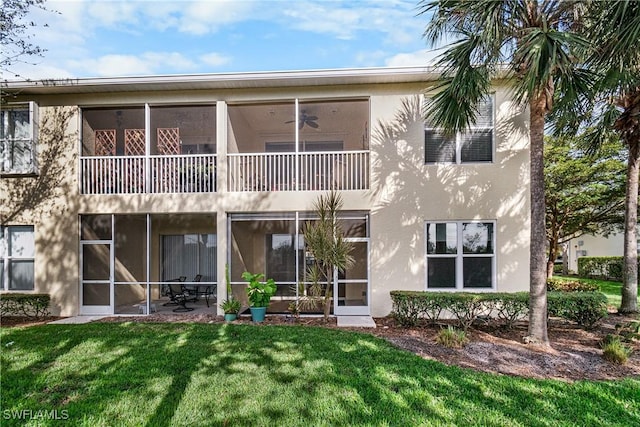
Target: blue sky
{"points": [[96, 38]]}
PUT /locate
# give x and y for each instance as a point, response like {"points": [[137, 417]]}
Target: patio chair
{"points": [[197, 290], [180, 296], [165, 291]]}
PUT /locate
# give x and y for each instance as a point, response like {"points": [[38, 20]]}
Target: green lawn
{"points": [[143, 374], [610, 289]]}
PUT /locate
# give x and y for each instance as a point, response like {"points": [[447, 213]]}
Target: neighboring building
{"points": [[174, 176], [595, 245]]}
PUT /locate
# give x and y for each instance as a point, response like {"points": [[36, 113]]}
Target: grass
{"points": [[611, 289], [143, 374], [615, 351], [452, 337]]}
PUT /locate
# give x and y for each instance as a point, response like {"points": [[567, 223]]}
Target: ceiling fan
{"points": [[305, 119]]}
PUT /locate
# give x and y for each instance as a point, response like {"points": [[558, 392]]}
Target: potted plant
{"points": [[231, 309], [259, 294]]}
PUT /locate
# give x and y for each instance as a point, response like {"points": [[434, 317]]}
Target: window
{"points": [[472, 146], [460, 255], [18, 139], [17, 252]]}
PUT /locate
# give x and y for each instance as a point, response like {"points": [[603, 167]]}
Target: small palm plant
{"points": [[329, 252]]}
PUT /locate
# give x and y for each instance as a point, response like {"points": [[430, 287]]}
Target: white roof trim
{"points": [[223, 80]]}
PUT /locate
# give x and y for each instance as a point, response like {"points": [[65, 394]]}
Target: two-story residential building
{"points": [[113, 186]]}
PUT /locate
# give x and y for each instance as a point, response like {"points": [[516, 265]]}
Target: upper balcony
{"points": [[283, 146], [176, 156], [299, 146]]}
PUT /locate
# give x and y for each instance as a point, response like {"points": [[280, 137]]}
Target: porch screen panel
{"points": [[130, 240]]}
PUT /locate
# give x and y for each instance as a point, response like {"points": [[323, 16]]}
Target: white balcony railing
{"points": [[153, 174], [333, 170]]}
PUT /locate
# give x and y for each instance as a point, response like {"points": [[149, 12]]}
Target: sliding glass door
{"points": [[189, 255]]}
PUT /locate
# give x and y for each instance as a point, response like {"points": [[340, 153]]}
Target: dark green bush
{"points": [[467, 307], [584, 308], [554, 284], [511, 307], [28, 305]]}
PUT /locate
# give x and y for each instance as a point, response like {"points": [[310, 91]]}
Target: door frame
{"points": [[97, 309], [354, 310]]}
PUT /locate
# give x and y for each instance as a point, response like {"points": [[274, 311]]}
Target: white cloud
{"points": [[395, 19], [215, 59], [128, 65], [204, 17], [421, 57], [370, 58]]}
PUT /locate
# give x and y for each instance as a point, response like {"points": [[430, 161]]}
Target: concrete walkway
{"points": [[76, 320], [356, 322]]}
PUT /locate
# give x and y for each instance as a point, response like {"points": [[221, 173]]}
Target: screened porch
{"points": [[128, 262]]}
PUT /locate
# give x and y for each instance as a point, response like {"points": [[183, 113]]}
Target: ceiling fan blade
{"points": [[313, 118], [312, 124], [301, 124]]}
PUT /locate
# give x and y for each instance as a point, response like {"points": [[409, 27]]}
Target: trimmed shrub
{"points": [[512, 307], [584, 308], [28, 305], [570, 285], [410, 306], [451, 337], [601, 267], [467, 307]]}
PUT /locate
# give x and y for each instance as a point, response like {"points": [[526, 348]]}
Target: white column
{"points": [[221, 147], [147, 149], [223, 247]]}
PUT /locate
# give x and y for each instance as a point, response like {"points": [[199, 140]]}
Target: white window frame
{"points": [[7, 144], [460, 256], [459, 138], [6, 258]]}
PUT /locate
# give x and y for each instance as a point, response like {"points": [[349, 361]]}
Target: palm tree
{"points": [[531, 43], [613, 109]]}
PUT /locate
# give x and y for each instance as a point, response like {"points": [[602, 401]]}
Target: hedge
{"points": [[585, 308], [28, 305], [601, 267]]}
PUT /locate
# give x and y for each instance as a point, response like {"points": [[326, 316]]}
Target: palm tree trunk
{"points": [[630, 270], [537, 332]]}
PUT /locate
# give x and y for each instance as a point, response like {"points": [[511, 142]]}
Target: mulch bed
{"points": [[574, 353]]}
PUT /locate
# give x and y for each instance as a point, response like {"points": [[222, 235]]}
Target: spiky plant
{"points": [[324, 239]]}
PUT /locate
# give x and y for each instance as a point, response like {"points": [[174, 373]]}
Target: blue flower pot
{"points": [[258, 313], [230, 317]]}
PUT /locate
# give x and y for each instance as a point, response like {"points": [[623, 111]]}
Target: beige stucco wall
{"points": [[404, 193], [50, 202]]}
